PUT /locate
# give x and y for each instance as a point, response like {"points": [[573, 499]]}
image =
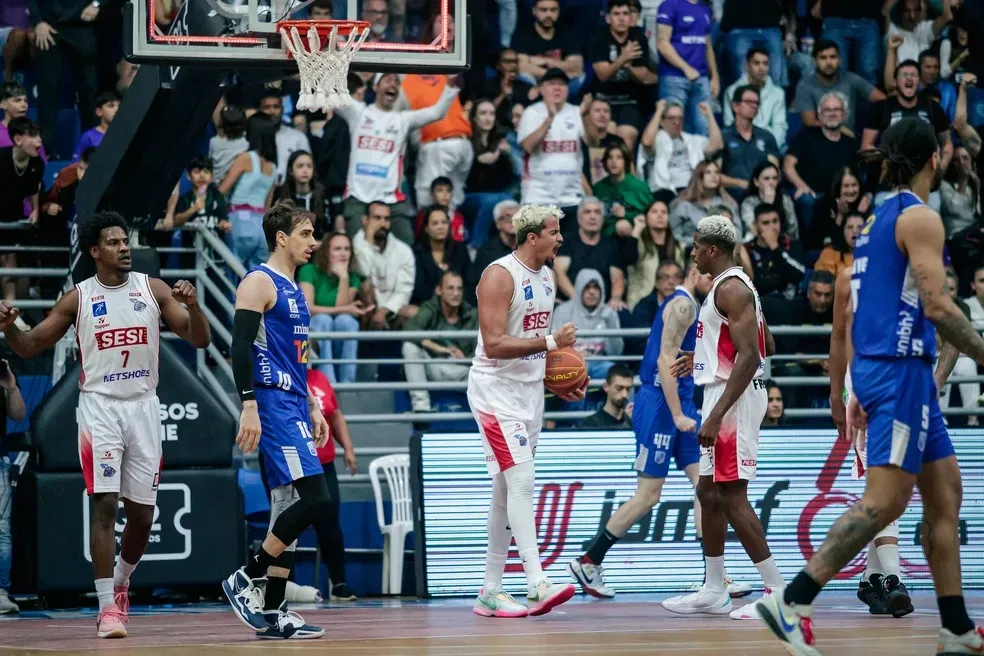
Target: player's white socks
{"points": [[888, 554], [771, 575], [121, 575], [104, 590], [714, 572], [519, 509], [500, 534], [874, 565]]}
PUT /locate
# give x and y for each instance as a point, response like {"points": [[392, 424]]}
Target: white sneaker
{"points": [[498, 604], [6, 605], [704, 602], [591, 577], [971, 642], [545, 596], [793, 626], [747, 612], [736, 590]]}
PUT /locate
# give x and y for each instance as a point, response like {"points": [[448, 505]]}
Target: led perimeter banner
{"points": [[804, 483]]}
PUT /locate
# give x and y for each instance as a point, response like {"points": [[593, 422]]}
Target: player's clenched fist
{"points": [[566, 335], [249, 429], [185, 292], [8, 314]]}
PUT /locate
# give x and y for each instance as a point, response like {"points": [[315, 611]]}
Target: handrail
{"points": [[212, 240]]}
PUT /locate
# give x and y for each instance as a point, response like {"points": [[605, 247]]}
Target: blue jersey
{"points": [[648, 371], [889, 321], [280, 351]]}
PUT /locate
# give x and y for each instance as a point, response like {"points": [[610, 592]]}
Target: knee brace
{"points": [[286, 515], [890, 531]]}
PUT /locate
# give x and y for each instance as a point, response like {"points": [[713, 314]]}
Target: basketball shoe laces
{"points": [[254, 598], [114, 611], [122, 601]]}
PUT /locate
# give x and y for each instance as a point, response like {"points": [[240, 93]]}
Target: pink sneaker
{"points": [[110, 623], [122, 599]]}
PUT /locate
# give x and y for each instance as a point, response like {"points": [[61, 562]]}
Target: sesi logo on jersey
{"points": [[536, 320], [120, 337]]}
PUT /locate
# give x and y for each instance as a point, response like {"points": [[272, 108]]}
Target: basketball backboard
{"points": [[406, 35]]}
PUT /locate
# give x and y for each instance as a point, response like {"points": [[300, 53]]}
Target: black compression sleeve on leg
{"points": [[314, 501], [245, 327]]}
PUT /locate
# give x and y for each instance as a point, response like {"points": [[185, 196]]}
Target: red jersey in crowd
{"points": [[319, 386]]}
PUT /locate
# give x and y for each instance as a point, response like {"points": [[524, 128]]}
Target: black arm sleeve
{"points": [[245, 327]]}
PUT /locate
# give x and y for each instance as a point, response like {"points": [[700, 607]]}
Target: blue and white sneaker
{"points": [[792, 625], [245, 595], [285, 624]]}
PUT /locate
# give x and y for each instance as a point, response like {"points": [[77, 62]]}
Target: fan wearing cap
{"points": [[379, 142], [550, 133]]}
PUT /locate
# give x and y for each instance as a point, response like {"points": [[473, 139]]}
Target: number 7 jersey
{"points": [[280, 350], [118, 332]]}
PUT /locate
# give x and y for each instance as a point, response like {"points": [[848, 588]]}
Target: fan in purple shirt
{"points": [[107, 105], [688, 72]]}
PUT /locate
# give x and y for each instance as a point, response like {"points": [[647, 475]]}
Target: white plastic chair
{"points": [[396, 468]]}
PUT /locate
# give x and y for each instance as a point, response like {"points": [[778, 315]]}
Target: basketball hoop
{"points": [[324, 72]]}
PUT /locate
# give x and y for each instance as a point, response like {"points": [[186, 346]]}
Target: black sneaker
{"points": [[342, 592], [897, 599], [869, 591]]}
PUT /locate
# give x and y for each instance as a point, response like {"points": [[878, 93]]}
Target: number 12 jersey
{"points": [[280, 350]]}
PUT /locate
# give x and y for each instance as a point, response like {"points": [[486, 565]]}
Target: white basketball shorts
{"points": [[120, 446], [734, 455], [509, 416]]}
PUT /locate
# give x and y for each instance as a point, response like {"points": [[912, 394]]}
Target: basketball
{"points": [[566, 371]]}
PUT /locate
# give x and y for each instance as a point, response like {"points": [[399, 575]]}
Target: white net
{"points": [[324, 73]]}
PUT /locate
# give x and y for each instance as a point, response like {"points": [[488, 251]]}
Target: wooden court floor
{"points": [[631, 624]]}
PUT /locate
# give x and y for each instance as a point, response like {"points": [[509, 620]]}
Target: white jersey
{"points": [[529, 317], [714, 357], [118, 332], [379, 143], [552, 173]]}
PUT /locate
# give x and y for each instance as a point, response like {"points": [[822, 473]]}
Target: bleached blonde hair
{"points": [[718, 229], [530, 219]]}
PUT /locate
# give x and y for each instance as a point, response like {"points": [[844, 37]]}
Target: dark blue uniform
{"points": [[656, 435], [894, 348], [280, 354]]}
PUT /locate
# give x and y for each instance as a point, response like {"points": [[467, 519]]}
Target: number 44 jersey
{"points": [[280, 350]]}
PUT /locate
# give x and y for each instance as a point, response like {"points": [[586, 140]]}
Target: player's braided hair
{"points": [[90, 229], [906, 147]]}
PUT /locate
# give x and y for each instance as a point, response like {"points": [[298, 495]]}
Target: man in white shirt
{"points": [[550, 133], [917, 32], [379, 142], [289, 139], [389, 265], [772, 98], [674, 153]]}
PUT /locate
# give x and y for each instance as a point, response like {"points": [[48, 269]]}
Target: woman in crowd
{"points": [[491, 178], [302, 187], [333, 290], [775, 412], [764, 188], [229, 142], [249, 185], [960, 194], [436, 252], [839, 253], [656, 244], [625, 196], [844, 198], [692, 205]]}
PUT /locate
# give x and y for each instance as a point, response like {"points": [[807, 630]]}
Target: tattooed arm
{"points": [[678, 316], [944, 367], [840, 349], [919, 233]]}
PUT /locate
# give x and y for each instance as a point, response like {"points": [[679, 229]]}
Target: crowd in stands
{"points": [[636, 117]]}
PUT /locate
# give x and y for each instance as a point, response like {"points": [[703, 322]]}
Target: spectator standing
{"points": [[816, 154], [550, 132], [64, 30], [543, 47], [655, 244], [705, 191], [917, 32], [107, 104], [13, 102], [21, 173], [829, 76], [588, 248], [289, 139], [855, 26], [335, 293], [436, 253], [688, 71], [448, 359], [764, 188], [491, 178], [389, 265], [755, 25], [676, 154], [626, 197], [771, 114], [331, 541], [229, 142], [960, 194], [445, 145], [249, 186], [745, 144], [839, 254], [775, 411], [775, 260], [332, 145], [501, 245], [506, 88], [15, 410], [303, 188], [616, 414], [379, 141], [203, 203], [588, 310], [598, 136], [618, 56], [954, 53]]}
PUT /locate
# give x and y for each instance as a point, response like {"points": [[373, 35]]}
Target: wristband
{"points": [[551, 343]]}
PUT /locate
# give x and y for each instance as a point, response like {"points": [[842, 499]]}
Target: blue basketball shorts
{"points": [[657, 437], [286, 442], [905, 424]]}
